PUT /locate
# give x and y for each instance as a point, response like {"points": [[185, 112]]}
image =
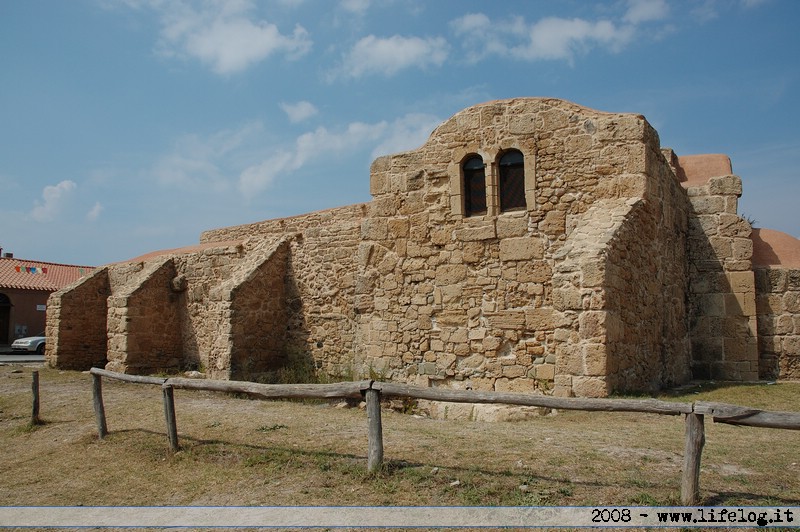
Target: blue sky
{"points": [[128, 126]]}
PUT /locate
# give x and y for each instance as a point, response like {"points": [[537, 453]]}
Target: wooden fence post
{"points": [[35, 406], [169, 415], [375, 434], [695, 440], [99, 408]]}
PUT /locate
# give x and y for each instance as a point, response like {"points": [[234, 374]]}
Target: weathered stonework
{"points": [[612, 276], [722, 286], [776, 263]]}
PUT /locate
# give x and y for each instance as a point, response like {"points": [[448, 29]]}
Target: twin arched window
{"points": [[511, 183]]}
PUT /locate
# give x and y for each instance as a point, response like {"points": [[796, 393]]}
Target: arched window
{"points": [[474, 186], [512, 181]]}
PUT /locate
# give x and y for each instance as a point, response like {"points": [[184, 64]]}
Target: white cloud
{"points": [[298, 111], [357, 7], [225, 35], [178, 169], [471, 22], [553, 38], [407, 132], [558, 38], [308, 147], [94, 212], [324, 142], [259, 177], [54, 198], [479, 37], [207, 161], [646, 11], [387, 56]]}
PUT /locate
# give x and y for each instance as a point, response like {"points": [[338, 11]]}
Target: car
{"points": [[31, 344]]}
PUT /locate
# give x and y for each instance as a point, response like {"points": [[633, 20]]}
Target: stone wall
{"points": [[514, 301], [778, 306], [626, 269], [321, 283], [204, 318], [723, 324], [258, 318], [76, 323], [144, 331]]}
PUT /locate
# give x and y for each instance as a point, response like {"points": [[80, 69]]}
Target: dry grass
{"points": [[237, 451]]}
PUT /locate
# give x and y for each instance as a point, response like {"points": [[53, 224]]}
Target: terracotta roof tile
{"points": [[38, 275], [775, 248]]}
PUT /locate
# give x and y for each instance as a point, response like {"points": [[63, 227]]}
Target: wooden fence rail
{"points": [[373, 392]]}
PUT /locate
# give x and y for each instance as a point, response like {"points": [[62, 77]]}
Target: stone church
{"points": [[530, 245]]}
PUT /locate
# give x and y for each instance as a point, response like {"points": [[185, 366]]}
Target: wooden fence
{"points": [[374, 391]]}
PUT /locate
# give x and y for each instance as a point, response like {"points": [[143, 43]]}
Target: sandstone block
{"points": [[485, 384], [708, 204], [378, 180], [536, 271], [472, 252], [491, 343], [523, 124], [471, 362], [567, 298], [545, 371], [522, 248], [508, 319], [515, 385], [380, 207], [594, 356], [569, 359], [374, 229], [590, 386], [440, 237], [770, 280], [741, 281], [398, 227], [592, 273], [731, 225], [427, 368], [791, 346], [741, 304], [540, 319], [447, 274], [722, 247], [593, 325], [725, 185], [511, 226], [477, 333], [791, 302], [562, 386], [554, 223], [793, 279], [446, 360], [513, 371], [742, 249], [450, 319], [471, 234]]}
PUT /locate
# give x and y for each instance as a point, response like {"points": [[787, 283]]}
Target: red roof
{"points": [[774, 248], [38, 275]]}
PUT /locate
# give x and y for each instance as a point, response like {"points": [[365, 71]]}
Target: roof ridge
{"points": [[46, 262]]}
